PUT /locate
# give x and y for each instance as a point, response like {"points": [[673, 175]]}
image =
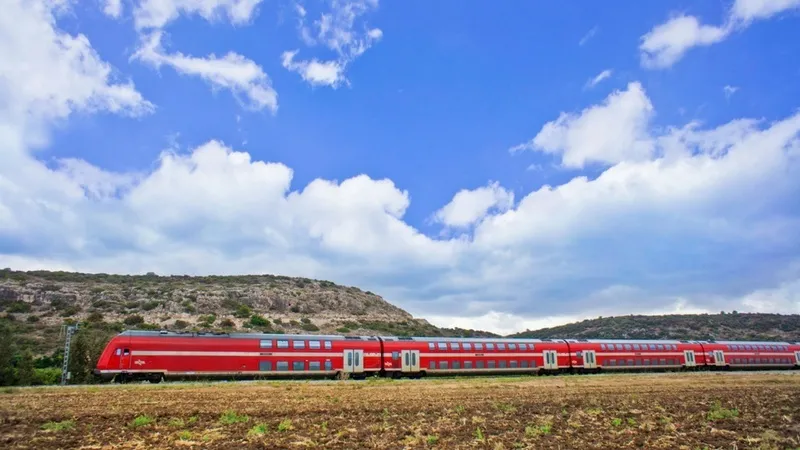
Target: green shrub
{"points": [[18, 307], [151, 305], [32, 319], [180, 324], [309, 327], [259, 321], [227, 323], [242, 312], [133, 320], [47, 376]]}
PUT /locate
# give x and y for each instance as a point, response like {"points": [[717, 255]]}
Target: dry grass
{"points": [[677, 411]]}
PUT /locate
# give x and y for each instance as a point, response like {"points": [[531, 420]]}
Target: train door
{"points": [[797, 358], [124, 358], [589, 359], [689, 357], [719, 357], [550, 359], [353, 361], [410, 360]]}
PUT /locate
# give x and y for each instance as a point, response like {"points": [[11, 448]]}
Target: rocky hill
{"points": [[37, 304], [732, 326]]}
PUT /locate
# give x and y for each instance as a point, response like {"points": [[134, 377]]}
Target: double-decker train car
{"points": [[414, 356], [156, 355], [153, 355], [618, 354], [742, 354]]}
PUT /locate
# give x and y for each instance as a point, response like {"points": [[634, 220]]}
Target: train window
{"points": [[283, 344], [662, 362], [328, 345], [490, 346], [502, 364], [514, 364], [612, 362], [491, 364], [265, 365], [328, 365], [442, 346], [126, 352], [660, 347], [646, 362], [636, 347], [266, 343], [313, 365], [298, 365], [619, 347], [283, 365], [752, 360], [478, 346], [432, 365], [772, 360], [395, 355], [501, 346], [652, 346], [118, 352], [533, 364], [467, 346], [455, 346], [456, 365], [314, 344], [531, 347], [468, 364], [761, 348], [299, 344], [443, 364], [479, 364], [523, 364], [512, 346], [431, 346], [630, 362], [579, 354], [628, 347]]}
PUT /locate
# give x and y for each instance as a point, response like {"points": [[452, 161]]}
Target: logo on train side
{"points": [[138, 362]]}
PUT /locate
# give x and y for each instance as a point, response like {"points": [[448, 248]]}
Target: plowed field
{"points": [[669, 411]]}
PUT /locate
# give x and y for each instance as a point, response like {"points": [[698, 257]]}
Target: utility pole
{"points": [[69, 330]]}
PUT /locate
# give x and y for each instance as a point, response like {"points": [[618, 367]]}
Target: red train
{"points": [[156, 355]]}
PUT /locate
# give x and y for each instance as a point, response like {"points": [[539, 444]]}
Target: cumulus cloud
{"points": [[336, 30], [666, 43], [112, 8], [609, 133], [158, 13], [243, 77], [469, 206], [683, 218]]}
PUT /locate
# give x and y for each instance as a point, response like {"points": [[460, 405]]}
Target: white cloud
{"points": [[47, 74], [748, 10], [604, 75], [612, 132], [112, 8], [588, 36], [666, 43], [243, 77], [336, 30], [469, 206], [316, 73], [158, 13], [729, 90]]}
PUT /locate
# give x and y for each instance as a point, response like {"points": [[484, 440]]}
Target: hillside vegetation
{"points": [[732, 326], [35, 305]]}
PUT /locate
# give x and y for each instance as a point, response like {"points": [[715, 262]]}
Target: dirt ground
{"points": [[670, 411]]}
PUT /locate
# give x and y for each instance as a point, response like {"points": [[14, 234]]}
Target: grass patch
{"points": [[258, 430], [142, 421], [176, 422], [230, 417], [285, 425], [64, 425], [719, 413], [185, 435]]}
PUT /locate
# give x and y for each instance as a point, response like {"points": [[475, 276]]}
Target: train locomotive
{"points": [[154, 356]]}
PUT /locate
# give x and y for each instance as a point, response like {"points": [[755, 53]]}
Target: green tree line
{"points": [[20, 367]]}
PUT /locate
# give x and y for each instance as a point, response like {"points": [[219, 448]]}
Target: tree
{"points": [[26, 374], [7, 350], [87, 345]]}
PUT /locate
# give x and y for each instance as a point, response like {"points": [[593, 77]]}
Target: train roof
{"points": [[747, 342], [629, 341], [458, 339], [322, 337]]}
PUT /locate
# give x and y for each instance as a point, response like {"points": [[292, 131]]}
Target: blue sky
{"points": [[663, 107]]}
